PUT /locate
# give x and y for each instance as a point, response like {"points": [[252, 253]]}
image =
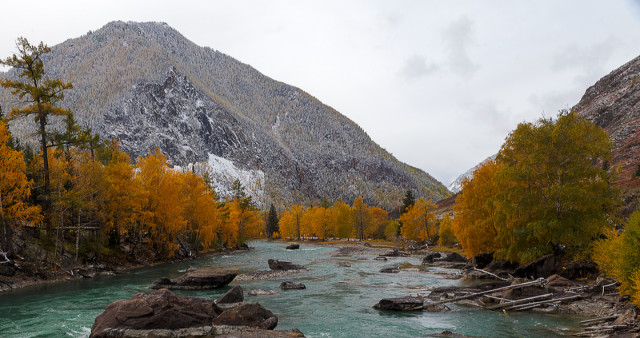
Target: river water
{"points": [[337, 302]]}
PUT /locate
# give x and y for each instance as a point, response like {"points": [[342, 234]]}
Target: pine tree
{"points": [[42, 93], [272, 221]]}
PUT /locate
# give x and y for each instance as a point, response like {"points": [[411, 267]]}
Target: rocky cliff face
{"points": [[613, 103], [148, 86]]}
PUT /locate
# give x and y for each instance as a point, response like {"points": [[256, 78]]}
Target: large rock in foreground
{"points": [[160, 309], [249, 314], [275, 264], [400, 304], [196, 280]]}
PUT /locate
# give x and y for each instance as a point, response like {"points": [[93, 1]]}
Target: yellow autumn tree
{"points": [[419, 222], [319, 221], [446, 236], [161, 187], [379, 222], [476, 222], [15, 189], [200, 211], [341, 219], [291, 222], [361, 218], [618, 256]]}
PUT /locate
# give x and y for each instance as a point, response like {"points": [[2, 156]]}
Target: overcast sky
{"points": [[439, 84]]}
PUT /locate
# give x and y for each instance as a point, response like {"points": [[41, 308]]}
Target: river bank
{"points": [[26, 277]]}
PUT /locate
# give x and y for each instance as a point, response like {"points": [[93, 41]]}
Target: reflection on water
{"points": [[336, 303]]}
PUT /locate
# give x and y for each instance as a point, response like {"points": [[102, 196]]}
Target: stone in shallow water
{"points": [[400, 304], [293, 246], [196, 280], [234, 295], [275, 264], [250, 314], [160, 309], [292, 286]]}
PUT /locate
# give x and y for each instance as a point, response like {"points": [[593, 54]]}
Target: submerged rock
{"points": [[293, 246], [400, 304], [160, 309], [260, 292], [380, 258], [292, 286], [275, 264], [390, 269], [196, 280], [234, 295], [250, 314]]}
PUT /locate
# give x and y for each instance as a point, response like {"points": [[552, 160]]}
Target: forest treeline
{"points": [[102, 201]]}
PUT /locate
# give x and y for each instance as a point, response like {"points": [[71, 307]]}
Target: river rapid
{"points": [[337, 302]]}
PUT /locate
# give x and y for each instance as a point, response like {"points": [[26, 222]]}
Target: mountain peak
{"points": [[148, 86]]}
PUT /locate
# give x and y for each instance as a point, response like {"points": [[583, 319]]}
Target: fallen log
{"points": [[519, 301], [597, 320], [536, 304], [494, 275], [538, 281]]}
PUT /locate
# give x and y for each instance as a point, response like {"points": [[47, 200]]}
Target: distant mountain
{"points": [[148, 86], [613, 103], [456, 185]]}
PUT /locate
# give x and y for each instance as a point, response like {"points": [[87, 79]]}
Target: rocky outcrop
{"points": [[234, 295], [205, 332], [584, 268], [613, 103], [542, 267], [287, 285], [400, 304], [160, 309], [196, 280], [250, 314], [275, 264]]}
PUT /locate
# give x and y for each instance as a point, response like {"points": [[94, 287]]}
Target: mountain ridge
{"points": [[200, 106]]}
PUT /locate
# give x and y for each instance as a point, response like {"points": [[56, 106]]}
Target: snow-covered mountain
{"points": [[456, 185], [148, 86]]}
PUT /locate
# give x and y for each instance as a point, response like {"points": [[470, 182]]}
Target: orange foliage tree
{"points": [[418, 223]]}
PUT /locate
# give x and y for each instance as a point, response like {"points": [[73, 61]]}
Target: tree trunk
{"points": [[45, 164], [4, 225]]}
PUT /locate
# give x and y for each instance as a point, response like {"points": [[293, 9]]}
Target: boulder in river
{"points": [[400, 304], [454, 257], [234, 295], [196, 280], [275, 264], [294, 246], [380, 258], [249, 314], [287, 285], [160, 309], [431, 257]]}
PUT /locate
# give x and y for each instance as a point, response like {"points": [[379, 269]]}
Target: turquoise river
{"points": [[337, 302]]}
